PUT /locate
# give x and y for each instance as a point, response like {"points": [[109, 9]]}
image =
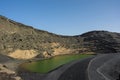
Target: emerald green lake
{"points": [[44, 66]]}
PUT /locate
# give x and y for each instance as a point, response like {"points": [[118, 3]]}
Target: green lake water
{"points": [[44, 66]]}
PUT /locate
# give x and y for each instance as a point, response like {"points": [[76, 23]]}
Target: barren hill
{"points": [[25, 42]]}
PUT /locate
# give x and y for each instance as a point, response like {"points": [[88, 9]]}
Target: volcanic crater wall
{"points": [[17, 36]]}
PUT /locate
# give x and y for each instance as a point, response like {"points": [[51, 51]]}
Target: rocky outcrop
{"points": [[62, 50], [23, 54], [6, 74]]}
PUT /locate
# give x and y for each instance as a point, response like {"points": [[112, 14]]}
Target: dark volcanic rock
{"points": [[103, 41]]}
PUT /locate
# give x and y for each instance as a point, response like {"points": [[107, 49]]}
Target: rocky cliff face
{"points": [[17, 39]]}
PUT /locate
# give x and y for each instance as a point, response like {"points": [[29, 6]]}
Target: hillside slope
{"points": [[25, 42], [103, 41]]}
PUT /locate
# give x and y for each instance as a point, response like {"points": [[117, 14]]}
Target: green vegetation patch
{"points": [[44, 66]]}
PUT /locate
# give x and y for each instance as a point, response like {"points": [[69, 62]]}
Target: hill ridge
{"points": [[15, 36]]}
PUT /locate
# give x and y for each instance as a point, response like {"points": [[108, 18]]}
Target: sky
{"points": [[64, 17]]}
